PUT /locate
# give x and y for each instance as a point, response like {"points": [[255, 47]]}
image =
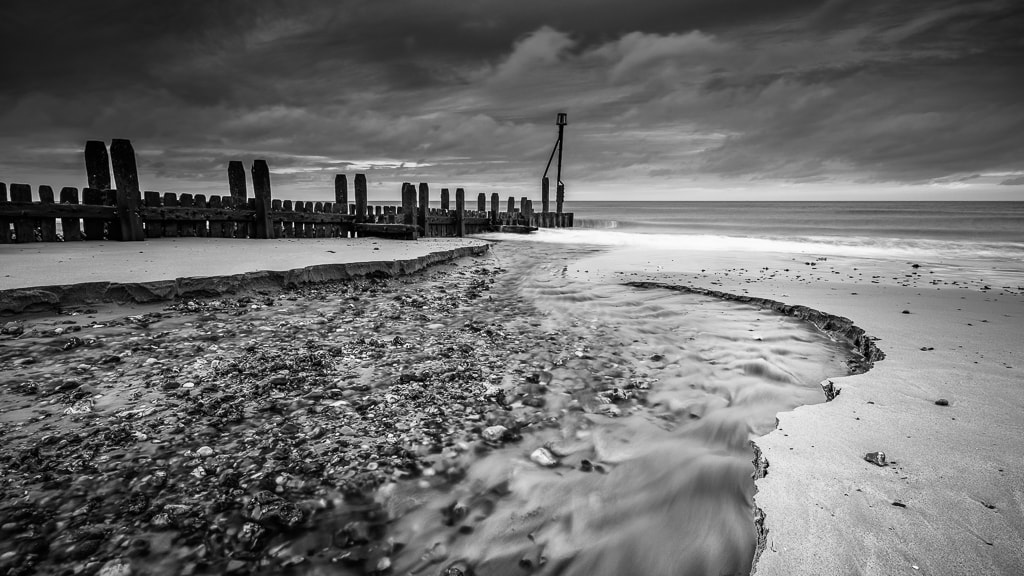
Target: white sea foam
{"points": [[856, 246]]}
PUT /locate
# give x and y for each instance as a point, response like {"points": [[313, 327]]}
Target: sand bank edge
{"points": [[42, 298]]}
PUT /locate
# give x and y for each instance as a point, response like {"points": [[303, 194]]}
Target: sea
{"points": [[938, 230]]}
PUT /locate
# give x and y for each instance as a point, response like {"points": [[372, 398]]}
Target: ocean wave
{"points": [[855, 246]]}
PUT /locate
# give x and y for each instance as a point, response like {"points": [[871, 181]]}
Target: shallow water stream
{"points": [[656, 408]]}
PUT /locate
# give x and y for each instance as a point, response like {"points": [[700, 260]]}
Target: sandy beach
{"points": [[950, 499]]}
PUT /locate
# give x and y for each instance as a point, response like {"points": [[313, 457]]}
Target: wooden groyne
{"points": [[112, 207]]}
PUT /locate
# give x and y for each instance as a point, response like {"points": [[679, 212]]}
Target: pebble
{"points": [[205, 452], [116, 567], [544, 457], [495, 433], [942, 402], [876, 458]]}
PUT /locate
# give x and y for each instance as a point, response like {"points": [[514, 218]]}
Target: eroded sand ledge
{"points": [[836, 326], [40, 298]]}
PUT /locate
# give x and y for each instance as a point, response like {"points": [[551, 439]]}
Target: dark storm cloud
{"points": [[804, 91]]}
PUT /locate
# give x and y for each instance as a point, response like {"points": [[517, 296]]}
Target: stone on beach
{"points": [[876, 458]]}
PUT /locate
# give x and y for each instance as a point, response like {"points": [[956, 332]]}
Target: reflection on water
{"points": [[650, 425]]}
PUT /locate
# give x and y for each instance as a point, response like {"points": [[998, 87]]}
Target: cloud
{"points": [[636, 52], [1018, 181], [542, 48]]}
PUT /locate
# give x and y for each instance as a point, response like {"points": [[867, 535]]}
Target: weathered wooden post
{"points": [[360, 198], [126, 180], [93, 227], [5, 223], [409, 206], [341, 192], [526, 205], [495, 201], [97, 165], [559, 197], [481, 202], [511, 206], [71, 226], [460, 212], [444, 199], [47, 225], [545, 195], [24, 228], [261, 190], [424, 208]]}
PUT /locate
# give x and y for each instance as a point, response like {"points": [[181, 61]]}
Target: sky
{"points": [[666, 100]]}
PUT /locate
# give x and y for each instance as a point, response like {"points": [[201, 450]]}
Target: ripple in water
{"points": [[664, 488]]}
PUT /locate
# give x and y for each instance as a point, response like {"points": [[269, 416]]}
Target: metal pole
{"points": [[558, 175]]}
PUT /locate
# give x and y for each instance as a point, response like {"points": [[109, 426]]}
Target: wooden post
{"points": [[318, 228], [97, 165], [424, 208], [495, 201], [199, 201], [261, 190], [481, 202], [71, 226], [216, 226], [559, 197], [360, 191], [444, 199], [287, 222], [5, 223], [170, 226], [186, 228], [126, 179], [24, 228], [341, 191], [93, 227], [47, 226], [409, 207], [511, 205], [545, 195], [239, 193], [309, 228], [460, 212]]}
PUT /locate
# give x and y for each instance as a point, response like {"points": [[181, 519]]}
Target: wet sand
{"points": [[951, 500]]}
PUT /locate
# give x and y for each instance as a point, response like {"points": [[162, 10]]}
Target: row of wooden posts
{"points": [[123, 212]]}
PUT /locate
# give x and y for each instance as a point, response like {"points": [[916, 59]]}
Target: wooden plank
{"points": [[187, 227], [199, 202], [24, 227], [216, 226], [5, 223], [126, 178], [72, 225], [93, 224], [261, 190], [47, 226], [395, 231], [97, 165], [154, 227], [186, 215]]}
